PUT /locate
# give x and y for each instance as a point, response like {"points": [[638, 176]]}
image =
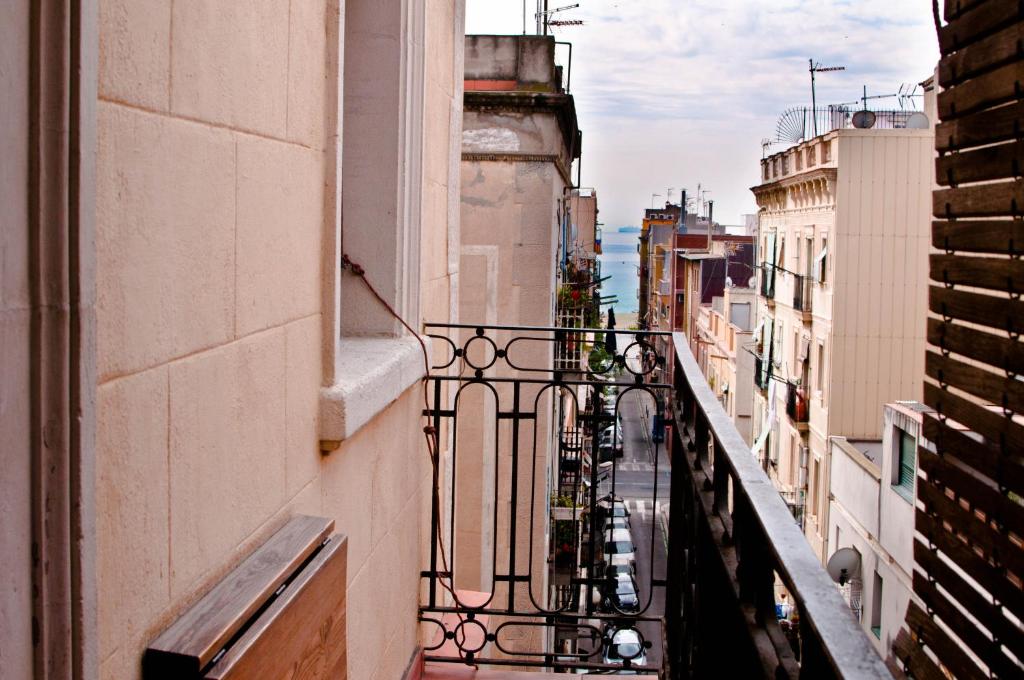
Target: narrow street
{"points": [[634, 481]]}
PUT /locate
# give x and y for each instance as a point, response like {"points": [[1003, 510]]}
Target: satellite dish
{"points": [[918, 121], [843, 565], [728, 282], [864, 119], [791, 126], [752, 282]]}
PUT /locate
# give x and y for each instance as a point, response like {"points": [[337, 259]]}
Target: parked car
{"points": [[625, 645], [616, 523], [619, 548], [621, 594], [612, 507], [617, 570]]}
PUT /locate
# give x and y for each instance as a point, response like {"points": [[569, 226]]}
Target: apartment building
{"points": [[843, 243], [174, 223], [871, 511], [724, 333], [656, 233]]}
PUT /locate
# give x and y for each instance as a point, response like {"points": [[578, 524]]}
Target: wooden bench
{"points": [[279, 614]]}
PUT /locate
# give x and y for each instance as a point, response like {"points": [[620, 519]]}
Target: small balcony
{"points": [[707, 575], [802, 295], [797, 406]]}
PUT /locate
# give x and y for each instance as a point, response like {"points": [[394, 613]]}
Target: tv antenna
{"points": [[818, 68], [544, 20]]}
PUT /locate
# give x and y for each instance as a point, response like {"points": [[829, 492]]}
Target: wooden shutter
{"points": [[970, 516]]}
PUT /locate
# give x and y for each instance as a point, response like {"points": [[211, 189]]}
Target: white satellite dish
{"points": [[728, 282], [752, 282], [844, 565], [918, 121]]}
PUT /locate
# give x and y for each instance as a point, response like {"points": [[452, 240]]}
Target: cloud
{"points": [[676, 92]]}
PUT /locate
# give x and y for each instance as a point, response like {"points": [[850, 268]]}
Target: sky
{"points": [[676, 93]]}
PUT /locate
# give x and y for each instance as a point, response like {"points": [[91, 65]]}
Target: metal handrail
{"points": [[759, 528]]}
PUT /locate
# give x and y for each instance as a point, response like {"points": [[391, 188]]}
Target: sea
{"points": [[620, 260]]}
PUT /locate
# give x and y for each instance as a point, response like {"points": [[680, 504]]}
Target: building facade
{"points": [[225, 374], [871, 510], [843, 246]]}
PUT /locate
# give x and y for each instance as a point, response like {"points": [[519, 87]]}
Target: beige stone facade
{"points": [[844, 239], [239, 377]]}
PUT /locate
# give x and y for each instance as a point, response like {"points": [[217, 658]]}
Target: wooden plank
{"points": [[983, 457], [977, 22], [988, 577], [949, 652], [1004, 237], [911, 653], [996, 546], [980, 200], [996, 389], [301, 635], [979, 165], [191, 642], [993, 273], [992, 425], [984, 127], [998, 351], [1001, 314], [984, 55], [977, 641], [981, 494], [996, 87], [951, 9], [979, 605]]}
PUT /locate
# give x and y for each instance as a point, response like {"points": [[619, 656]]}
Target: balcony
{"points": [[797, 406], [707, 574], [802, 295]]}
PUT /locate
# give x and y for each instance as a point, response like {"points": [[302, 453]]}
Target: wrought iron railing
{"points": [[733, 545], [514, 420], [801, 293]]}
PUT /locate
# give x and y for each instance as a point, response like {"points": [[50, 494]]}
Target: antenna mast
{"points": [[818, 68]]}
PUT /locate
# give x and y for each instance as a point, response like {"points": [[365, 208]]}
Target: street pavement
{"points": [[635, 481]]}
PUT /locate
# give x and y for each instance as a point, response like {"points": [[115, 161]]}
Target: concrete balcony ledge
{"points": [[373, 373]]}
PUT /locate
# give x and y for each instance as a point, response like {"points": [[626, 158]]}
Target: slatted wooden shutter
{"points": [[970, 517]]}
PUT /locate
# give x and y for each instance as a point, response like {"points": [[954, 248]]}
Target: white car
{"points": [[619, 548], [625, 645]]}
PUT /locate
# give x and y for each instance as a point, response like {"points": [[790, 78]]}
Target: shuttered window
{"points": [[906, 464]]}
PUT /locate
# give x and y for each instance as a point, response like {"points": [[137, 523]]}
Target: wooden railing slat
{"points": [[953, 657], [980, 605], [993, 273], [997, 351], [983, 127], [979, 165], [984, 458], [989, 424], [980, 200], [998, 313], [913, 655], [1003, 237], [982, 56], [977, 22], [1000, 390], [991, 89]]}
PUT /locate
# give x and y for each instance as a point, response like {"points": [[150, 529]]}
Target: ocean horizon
{"points": [[620, 260]]}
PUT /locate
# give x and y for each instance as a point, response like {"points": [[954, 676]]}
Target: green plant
{"points": [[561, 501]]}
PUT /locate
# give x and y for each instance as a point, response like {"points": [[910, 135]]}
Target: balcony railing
{"points": [[802, 293], [796, 404], [706, 609], [741, 544], [512, 414]]}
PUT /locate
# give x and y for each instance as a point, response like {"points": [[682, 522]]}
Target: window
{"points": [[820, 370], [876, 607], [813, 505], [823, 261], [906, 464]]}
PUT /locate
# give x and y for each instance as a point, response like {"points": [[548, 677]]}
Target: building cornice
{"points": [[563, 106], [828, 174]]}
